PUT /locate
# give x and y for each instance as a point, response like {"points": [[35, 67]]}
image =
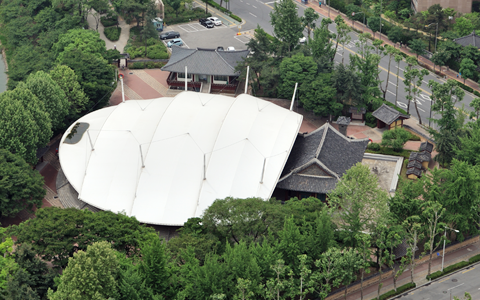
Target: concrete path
{"points": [[124, 35]]}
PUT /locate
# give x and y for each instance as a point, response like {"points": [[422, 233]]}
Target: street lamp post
{"points": [[353, 24], [445, 237], [436, 35]]}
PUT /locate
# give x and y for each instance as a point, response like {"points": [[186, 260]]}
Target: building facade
{"points": [[462, 6]]}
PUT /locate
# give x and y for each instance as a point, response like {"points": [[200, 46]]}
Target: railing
{"points": [[223, 88], [171, 81]]}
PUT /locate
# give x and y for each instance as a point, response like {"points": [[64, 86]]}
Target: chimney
{"points": [[342, 123]]}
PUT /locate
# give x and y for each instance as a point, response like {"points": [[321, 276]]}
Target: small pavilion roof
{"points": [[388, 114]]}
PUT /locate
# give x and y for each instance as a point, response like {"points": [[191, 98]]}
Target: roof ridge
{"points": [[225, 61], [183, 49], [317, 153]]}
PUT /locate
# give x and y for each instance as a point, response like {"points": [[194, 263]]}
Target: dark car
{"points": [[220, 48], [207, 23], [169, 35]]}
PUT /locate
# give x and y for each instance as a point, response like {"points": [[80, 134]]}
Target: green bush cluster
{"points": [[155, 51], [224, 10], [468, 89], [374, 146], [370, 120], [390, 151], [474, 259], [186, 16], [112, 33], [107, 22], [147, 65], [414, 137], [448, 269], [399, 290]]}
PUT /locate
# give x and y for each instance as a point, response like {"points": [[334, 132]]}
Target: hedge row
{"points": [[469, 89], [395, 107], [399, 290], [187, 16], [148, 65], [107, 22], [474, 259], [155, 51], [448, 269], [112, 33], [224, 10]]}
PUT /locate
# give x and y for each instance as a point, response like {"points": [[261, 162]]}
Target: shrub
{"points": [[107, 22], [474, 259], [112, 33], [400, 290], [448, 269], [235, 17], [150, 65], [395, 138], [414, 137], [374, 146], [138, 65], [370, 120]]}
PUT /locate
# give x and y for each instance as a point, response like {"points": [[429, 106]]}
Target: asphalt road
{"points": [[446, 288], [257, 12]]}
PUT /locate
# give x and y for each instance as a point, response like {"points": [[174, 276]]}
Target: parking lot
{"points": [[194, 35]]}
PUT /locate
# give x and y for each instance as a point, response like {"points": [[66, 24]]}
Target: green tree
{"points": [[395, 138], [440, 58], [471, 52], [328, 273], [396, 34], [414, 76], [24, 124], [33, 277], [432, 214], [374, 24], [68, 82], [391, 52], [20, 187], [343, 34], [366, 65], [275, 287], [59, 233], [86, 41], [298, 68], [8, 266], [348, 85], [469, 145], [363, 203], [364, 242], [349, 265], [467, 69], [89, 275], [417, 46], [153, 267], [320, 236], [322, 46], [463, 26], [398, 59], [467, 296], [52, 96], [309, 18], [287, 25], [291, 244], [413, 234], [319, 96], [475, 104], [244, 287]]}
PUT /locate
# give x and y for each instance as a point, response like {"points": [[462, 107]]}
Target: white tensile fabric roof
{"points": [[196, 148]]}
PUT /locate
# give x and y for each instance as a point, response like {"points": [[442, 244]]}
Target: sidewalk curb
{"points": [[435, 280]]}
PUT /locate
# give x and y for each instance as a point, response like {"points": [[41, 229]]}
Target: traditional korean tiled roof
{"points": [[414, 171], [342, 120], [319, 159], [471, 39], [426, 146], [414, 164], [205, 61], [388, 114]]}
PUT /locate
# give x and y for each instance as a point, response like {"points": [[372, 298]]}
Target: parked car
{"points": [[169, 35], [176, 42], [302, 40], [230, 48], [215, 21], [207, 23], [220, 48]]}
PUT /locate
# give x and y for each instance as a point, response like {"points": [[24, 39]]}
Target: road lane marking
{"points": [[254, 6], [392, 83], [401, 104], [400, 68], [269, 2], [252, 14], [455, 286], [424, 82], [444, 280], [420, 109], [467, 271], [391, 93]]}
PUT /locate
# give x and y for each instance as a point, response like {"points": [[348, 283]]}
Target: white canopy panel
{"points": [[195, 148]]}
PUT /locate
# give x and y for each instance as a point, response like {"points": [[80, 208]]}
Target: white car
{"points": [[302, 40], [230, 48], [215, 21]]}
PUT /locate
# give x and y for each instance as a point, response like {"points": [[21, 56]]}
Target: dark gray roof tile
{"points": [[414, 164], [426, 146], [306, 183], [388, 114], [471, 39], [204, 61], [342, 120], [414, 171]]}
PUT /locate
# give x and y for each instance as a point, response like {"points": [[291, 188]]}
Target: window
{"points": [[220, 79], [181, 77]]}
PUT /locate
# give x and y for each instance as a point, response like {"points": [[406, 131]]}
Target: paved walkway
{"points": [[124, 35], [359, 26]]}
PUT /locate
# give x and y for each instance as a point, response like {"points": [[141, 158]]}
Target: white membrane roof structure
{"points": [[166, 160]]}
